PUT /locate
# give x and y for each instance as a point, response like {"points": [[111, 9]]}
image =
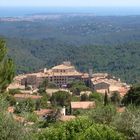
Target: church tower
{"points": [[90, 72]]}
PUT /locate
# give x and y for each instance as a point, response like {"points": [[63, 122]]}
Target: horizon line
{"points": [[71, 6]]}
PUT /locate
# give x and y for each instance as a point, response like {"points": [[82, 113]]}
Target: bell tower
{"points": [[90, 72]]}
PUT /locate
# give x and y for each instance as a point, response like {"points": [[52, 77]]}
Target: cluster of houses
{"points": [[65, 73], [44, 113], [61, 75]]}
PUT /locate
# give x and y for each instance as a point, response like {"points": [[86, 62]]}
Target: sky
{"points": [[70, 3]]}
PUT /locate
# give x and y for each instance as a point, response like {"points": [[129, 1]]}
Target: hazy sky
{"points": [[71, 3]]}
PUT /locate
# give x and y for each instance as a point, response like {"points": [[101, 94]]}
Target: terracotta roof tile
{"points": [[26, 96], [121, 109], [11, 109], [82, 105], [43, 112], [67, 118]]}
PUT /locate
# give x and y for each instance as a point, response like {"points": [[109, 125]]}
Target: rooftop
{"points": [[27, 96], [67, 118], [74, 73], [82, 105], [108, 81], [43, 112], [63, 66]]}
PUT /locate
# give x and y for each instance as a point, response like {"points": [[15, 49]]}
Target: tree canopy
{"points": [[7, 68], [133, 96], [81, 129], [61, 98]]}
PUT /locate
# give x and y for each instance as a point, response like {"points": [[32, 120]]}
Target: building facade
{"points": [[65, 73], [60, 75]]}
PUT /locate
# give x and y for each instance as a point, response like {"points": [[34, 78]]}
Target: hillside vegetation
{"points": [[107, 119], [110, 44]]}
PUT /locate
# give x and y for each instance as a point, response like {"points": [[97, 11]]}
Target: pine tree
{"points": [[7, 68]]}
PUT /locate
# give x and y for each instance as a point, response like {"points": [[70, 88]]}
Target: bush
{"points": [[61, 98], [103, 114], [14, 91], [76, 112], [77, 87], [9, 128], [128, 122], [80, 129], [84, 97], [96, 97], [116, 98], [133, 96], [100, 132], [25, 106], [49, 119], [12, 130], [42, 103], [11, 100], [65, 131], [75, 98], [30, 117]]}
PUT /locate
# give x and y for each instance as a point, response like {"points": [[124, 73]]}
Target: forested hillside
{"points": [[110, 44]]}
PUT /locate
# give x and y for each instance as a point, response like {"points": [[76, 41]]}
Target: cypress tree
{"points": [[105, 99]]}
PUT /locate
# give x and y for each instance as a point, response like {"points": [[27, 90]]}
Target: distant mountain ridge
{"points": [[98, 11]]}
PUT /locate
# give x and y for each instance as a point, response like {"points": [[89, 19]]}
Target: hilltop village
{"points": [[64, 74], [64, 78]]}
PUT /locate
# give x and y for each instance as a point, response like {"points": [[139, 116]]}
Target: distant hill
{"points": [[110, 44]]}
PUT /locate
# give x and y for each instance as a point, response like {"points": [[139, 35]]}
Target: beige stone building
{"points": [[60, 75], [105, 83], [65, 73]]}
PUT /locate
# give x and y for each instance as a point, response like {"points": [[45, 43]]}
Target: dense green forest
{"points": [[113, 117], [109, 44]]}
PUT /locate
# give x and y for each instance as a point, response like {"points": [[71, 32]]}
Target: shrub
{"points": [[133, 96], [61, 98], [30, 117], [128, 122], [14, 91], [12, 130], [100, 132], [11, 100], [25, 106], [43, 101], [80, 129], [84, 97], [116, 98], [103, 114], [9, 128], [77, 87], [96, 97], [75, 98]]}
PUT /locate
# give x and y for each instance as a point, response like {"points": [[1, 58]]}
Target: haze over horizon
{"points": [[70, 3], [97, 7]]}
